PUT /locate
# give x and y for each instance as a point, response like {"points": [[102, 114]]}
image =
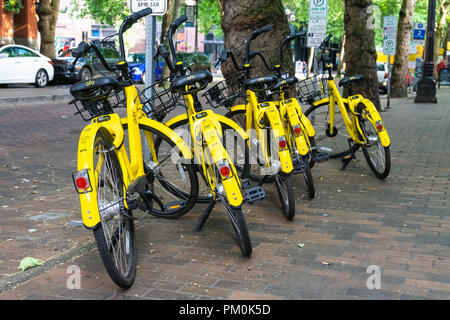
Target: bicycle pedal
{"points": [[132, 204], [299, 166], [245, 184], [321, 157], [253, 194], [175, 205]]}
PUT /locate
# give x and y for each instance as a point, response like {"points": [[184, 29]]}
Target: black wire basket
{"points": [[99, 104], [158, 100], [226, 92], [312, 89]]}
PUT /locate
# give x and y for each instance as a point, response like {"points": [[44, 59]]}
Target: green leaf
{"points": [[29, 262]]}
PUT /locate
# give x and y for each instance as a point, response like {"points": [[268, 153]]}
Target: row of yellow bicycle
{"points": [[164, 167]]}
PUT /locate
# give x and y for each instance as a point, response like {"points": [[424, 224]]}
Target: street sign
{"points": [[317, 25], [389, 35], [419, 31], [159, 7]]}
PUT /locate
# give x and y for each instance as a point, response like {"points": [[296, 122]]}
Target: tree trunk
{"points": [[443, 7], [48, 15], [361, 54], [241, 17], [399, 87], [173, 7]]}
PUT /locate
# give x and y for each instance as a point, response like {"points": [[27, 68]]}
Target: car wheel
{"points": [[85, 74], [188, 71], [41, 79]]}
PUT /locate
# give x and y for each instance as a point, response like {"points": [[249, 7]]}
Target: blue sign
{"points": [[419, 34]]}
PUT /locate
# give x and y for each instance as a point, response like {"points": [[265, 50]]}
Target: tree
{"points": [[241, 17], [107, 12], [399, 86], [443, 7], [360, 49], [47, 12]]}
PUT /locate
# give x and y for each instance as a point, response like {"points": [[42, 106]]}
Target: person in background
{"points": [[441, 66]]}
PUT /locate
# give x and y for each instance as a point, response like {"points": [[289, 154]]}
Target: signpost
{"points": [[389, 45], [419, 31], [317, 25]]}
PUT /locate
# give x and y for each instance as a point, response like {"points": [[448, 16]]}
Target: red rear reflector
{"points": [[282, 143], [81, 183], [297, 130], [379, 125], [386, 75], [225, 171]]}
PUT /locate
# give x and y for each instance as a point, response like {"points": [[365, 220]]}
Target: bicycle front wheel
{"points": [[286, 194], [377, 156], [335, 143], [174, 183], [115, 235]]}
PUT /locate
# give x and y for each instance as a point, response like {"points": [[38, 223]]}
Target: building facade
{"points": [[19, 28]]}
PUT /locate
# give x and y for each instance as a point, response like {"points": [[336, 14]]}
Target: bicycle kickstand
{"points": [[347, 159], [205, 215]]}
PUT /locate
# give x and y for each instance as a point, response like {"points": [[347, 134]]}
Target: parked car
{"points": [[382, 73], [86, 67], [194, 61], [20, 64], [136, 64]]}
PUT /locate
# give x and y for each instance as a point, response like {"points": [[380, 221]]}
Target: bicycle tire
{"points": [[286, 194], [384, 154], [183, 196], [335, 145], [109, 238], [243, 170], [234, 214], [307, 175]]}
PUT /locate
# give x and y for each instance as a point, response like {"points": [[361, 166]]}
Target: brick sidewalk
{"points": [[356, 221]]}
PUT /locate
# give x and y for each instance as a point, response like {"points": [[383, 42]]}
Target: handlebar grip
{"points": [[262, 30], [179, 21], [82, 48], [138, 15], [325, 41]]}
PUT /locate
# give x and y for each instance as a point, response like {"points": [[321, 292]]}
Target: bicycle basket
{"points": [[96, 97], [226, 91], [312, 89], [158, 100]]}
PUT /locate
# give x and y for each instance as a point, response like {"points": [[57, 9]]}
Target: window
{"points": [[9, 51], [21, 52]]}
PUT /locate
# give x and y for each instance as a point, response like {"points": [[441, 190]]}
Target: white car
{"points": [[382, 73], [20, 64]]}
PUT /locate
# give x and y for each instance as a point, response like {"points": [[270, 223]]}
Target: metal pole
{"points": [[426, 87], [196, 26], [150, 41], [389, 84]]}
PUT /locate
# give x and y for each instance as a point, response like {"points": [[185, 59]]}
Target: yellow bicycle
{"points": [[212, 159], [110, 184], [360, 124], [270, 154]]}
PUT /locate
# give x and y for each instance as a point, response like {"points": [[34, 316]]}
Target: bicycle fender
{"points": [[179, 142], [273, 116], [238, 107], [180, 118], [233, 125], [232, 184], [108, 125], [384, 137], [290, 110]]}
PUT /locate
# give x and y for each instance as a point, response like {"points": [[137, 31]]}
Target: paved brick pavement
{"points": [[401, 224]]}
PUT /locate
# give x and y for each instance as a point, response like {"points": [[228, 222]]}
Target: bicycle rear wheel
{"points": [[336, 143], [286, 194], [377, 156], [115, 235]]}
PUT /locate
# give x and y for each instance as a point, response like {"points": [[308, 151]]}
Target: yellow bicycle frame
{"points": [[206, 132], [254, 113], [113, 127], [350, 121]]}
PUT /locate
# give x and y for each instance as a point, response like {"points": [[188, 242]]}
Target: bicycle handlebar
{"points": [[253, 36], [127, 23]]}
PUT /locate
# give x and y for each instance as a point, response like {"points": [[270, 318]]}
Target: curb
{"points": [[35, 99]]}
